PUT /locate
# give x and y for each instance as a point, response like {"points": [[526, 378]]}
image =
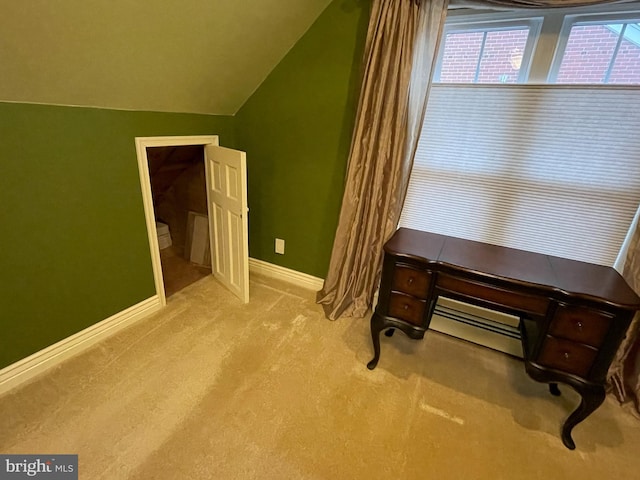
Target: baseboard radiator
{"points": [[478, 325]]}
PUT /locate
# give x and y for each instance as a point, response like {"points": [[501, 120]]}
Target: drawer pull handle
{"points": [[410, 281], [566, 355], [579, 325], [405, 306]]}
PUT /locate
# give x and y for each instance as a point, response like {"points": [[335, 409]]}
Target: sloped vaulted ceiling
{"points": [[196, 56]]}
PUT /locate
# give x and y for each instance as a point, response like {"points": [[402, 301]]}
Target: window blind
{"points": [[549, 169]]}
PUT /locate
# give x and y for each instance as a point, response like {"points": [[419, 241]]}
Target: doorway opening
{"points": [[159, 232], [226, 248], [179, 194]]}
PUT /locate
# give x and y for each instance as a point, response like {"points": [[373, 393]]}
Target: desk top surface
{"points": [[517, 266]]}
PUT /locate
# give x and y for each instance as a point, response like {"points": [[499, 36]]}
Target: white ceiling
{"points": [[197, 56]]}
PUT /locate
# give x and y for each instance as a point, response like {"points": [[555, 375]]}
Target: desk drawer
{"points": [[494, 295], [567, 356], [407, 308], [584, 325], [411, 280]]}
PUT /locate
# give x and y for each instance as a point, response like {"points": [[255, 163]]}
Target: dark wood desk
{"points": [[573, 315]]}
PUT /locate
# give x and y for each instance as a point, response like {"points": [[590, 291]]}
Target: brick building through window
{"points": [[594, 54]]}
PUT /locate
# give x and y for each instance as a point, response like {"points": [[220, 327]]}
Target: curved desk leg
{"points": [[591, 396], [554, 390], [390, 324], [376, 327], [591, 399]]}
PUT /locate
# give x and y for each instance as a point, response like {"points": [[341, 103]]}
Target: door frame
{"points": [[147, 196]]}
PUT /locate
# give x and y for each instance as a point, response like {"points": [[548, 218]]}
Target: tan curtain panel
{"points": [[624, 374], [377, 173]]}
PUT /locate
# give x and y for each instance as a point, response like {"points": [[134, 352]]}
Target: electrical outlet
{"points": [[280, 246]]}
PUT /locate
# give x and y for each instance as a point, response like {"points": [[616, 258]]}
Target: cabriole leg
{"points": [[590, 400], [376, 327]]}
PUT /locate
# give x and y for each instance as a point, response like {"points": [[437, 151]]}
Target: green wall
{"points": [[296, 130], [74, 248]]}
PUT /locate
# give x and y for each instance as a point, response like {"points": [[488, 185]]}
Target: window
{"points": [[590, 48], [530, 135], [599, 53], [487, 53]]}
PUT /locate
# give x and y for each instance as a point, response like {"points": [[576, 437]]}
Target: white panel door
{"points": [[227, 202]]}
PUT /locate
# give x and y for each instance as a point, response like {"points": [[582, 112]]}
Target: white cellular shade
{"points": [[549, 169]]}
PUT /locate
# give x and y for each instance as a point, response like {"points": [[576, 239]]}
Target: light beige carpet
{"points": [[213, 389]]}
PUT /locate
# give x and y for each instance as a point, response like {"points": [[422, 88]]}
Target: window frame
{"points": [[547, 43], [534, 24], [586, 19]]}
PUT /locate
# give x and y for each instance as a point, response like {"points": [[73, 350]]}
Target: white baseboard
{"points": [[281, 273], [46, 358]]}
